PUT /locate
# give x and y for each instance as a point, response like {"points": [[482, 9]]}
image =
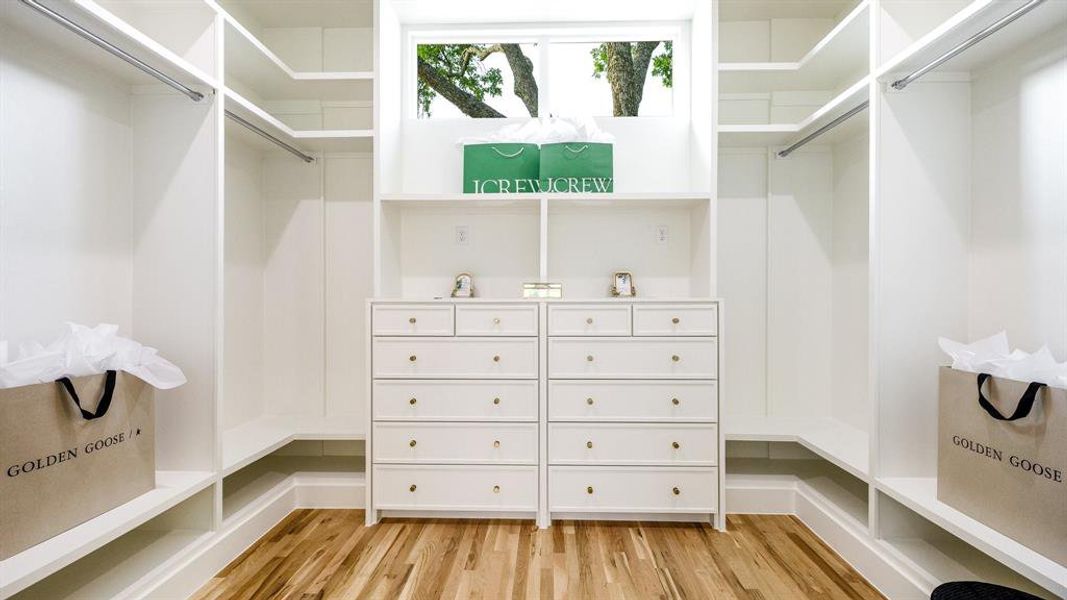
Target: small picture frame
{"points": [[542, 290], [464, 286], [623, 285]]}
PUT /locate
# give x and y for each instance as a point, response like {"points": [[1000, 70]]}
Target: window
{"points": [[507, 79]]}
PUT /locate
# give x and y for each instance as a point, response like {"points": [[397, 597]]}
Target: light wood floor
{"points": [[330, 554]]}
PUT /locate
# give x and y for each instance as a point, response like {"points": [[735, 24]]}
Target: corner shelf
{"points": [[37, 562], [972, 19], [825, 66], [833, 440], [253, 64], [247, 490], [920, 495], [248, 442], [781, 134], [318, 140]]}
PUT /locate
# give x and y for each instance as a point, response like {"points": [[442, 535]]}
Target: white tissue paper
{"points": [[548, 130], [87, 351], [994, 356]]}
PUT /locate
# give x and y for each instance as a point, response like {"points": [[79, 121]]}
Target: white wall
{"points": [[742, 268], [349, 270], [243, 283], [851, 283], [66, 203], [1018, 267]]}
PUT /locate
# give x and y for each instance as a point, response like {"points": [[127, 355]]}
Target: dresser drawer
{"points": [[455, 487], [633, 489], [440, 443], [475, 358], [570, 400], [496, 319], [455, 400], [676, 319], [411, 319], [615, 358], [632, 444], [588, 319]]}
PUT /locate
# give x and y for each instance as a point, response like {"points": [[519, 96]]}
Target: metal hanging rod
{"points": [[811, 136], [974, 39], [288, 148], [193, 95]]}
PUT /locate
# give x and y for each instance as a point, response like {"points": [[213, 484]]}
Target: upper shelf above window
{"points": [[836, 58]]}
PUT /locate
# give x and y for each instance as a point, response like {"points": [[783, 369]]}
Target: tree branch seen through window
{"points": [[468, 76]]}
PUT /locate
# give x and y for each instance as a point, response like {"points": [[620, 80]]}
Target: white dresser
{"points": [[550, 409]]}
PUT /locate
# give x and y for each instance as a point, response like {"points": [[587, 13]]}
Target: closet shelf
{"points": [[832, 60], [970, 20], [781, 134], [105, 24], [663, 199], [255, 439], [258, 485], [920, 494], [251, 64], [833, 440], [37, 562], [318, 140]]}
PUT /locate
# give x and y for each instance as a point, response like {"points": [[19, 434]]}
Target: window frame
{"points": [[543, 35]]}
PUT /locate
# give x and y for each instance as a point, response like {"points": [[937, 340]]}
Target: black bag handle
{"points": [[105, 400], [1026, 403]]}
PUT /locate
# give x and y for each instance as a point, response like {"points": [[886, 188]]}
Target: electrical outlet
{"points": [[662, 234], [463, 235]]}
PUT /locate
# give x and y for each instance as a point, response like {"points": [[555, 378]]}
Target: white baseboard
{"points": [[849, 539], [745, 495], [241, 530]]}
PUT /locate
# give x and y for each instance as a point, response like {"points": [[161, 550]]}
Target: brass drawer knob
{"points": [[412, 488], [496, 443], [589, 490], [676, 491], [496, 358], [412, 401], [589, 444], [411, 320], [589, 358], [411, 443], [496, 489], [675, 358], [676, 320], [589, 401], [675, 401], [675, 445], [496, 321], [412, 358], [589, 321], [496, 400]]}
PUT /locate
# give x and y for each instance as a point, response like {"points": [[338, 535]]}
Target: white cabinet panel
{"points": [[455, 487], [482, 358], [676, 319], [632, 444], [411, 319], [616, 358], [440, 443], [570, 400], [632, 489], [589, 319], [455, 400], [496, 319]]}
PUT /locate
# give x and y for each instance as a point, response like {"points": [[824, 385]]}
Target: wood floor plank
{"points": [[325, 554]]}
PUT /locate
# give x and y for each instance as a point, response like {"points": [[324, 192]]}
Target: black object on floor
{"points": [[976, 590]]}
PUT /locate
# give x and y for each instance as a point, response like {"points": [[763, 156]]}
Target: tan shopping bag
{"points": [[70, 451], [1002, 457]]}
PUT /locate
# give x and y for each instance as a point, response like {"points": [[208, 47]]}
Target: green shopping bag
{"points": [[501, 168], [577, 167]]}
